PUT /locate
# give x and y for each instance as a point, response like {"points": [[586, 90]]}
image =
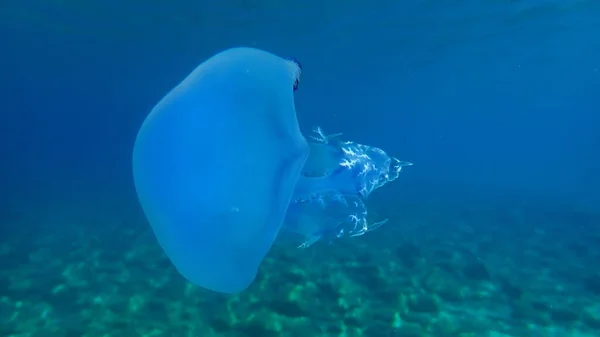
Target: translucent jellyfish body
{"points": [[216, 162]]}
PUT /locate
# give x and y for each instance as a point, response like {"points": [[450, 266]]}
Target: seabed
{"points": [[432, 271]]}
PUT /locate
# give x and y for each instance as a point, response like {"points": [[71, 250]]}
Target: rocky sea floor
{"points": [[492, 270]]}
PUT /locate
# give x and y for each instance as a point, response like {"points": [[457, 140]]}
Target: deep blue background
{"points": [[488, 98]]}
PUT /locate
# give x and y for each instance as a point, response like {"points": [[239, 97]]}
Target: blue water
{"points": [[494, 230]]}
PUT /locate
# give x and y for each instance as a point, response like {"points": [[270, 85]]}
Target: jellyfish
{"points": [[216, 163], [329, 199], [220, 166]]}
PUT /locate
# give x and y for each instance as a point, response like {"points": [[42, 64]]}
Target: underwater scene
{"points": [[270, 168]]}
